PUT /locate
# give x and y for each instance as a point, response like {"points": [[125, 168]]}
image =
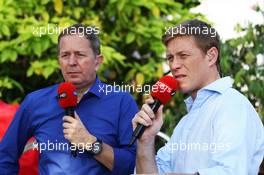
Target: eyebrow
{"points": [[78, 51], [178, 53]]}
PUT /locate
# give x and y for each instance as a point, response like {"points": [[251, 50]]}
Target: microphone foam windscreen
{"points": [[164, 89], [67, 95]]}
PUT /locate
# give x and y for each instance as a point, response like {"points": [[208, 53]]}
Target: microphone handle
{"points": [[141, 128], [70, 111], [155, 106]]}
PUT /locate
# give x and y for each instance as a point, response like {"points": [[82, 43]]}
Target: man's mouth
{"points": [[180, 77], [73, 72]]}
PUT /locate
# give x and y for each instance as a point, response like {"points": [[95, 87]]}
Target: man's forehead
{"points": [[180, 44], [74, 41], [177, 51], [75, 50], [77, 37]]}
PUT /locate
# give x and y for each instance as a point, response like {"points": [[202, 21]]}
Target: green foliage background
{"points": [[130, 33]]}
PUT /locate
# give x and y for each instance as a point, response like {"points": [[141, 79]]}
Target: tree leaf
{"points": [[130, 37], [8, 55], [155, 11], [37, 48], [58, 6], [250, 57], [5, 30], [139, 78]]}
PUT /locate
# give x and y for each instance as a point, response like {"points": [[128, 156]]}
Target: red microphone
{"points": [[67, 96], [162, 92]]}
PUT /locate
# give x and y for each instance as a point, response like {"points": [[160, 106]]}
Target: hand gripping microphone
{"points": [[162, 92], [67, 96]]}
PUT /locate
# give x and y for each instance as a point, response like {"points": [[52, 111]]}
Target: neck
{"points": [[81, 90], [209, 81], [80, 93]]}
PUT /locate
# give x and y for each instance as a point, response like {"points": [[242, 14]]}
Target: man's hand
{"points": [[147, 118], [76, 133]]}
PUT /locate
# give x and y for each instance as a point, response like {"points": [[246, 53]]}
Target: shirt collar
{"points": [[218, 86], [188, 102], [95, 88]]}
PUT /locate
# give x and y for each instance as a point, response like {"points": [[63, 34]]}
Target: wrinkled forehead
{"points": [[76, 42], [181, 43]]}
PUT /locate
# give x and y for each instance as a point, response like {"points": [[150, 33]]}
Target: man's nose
{"points": [[72, 60], [176, 64]]}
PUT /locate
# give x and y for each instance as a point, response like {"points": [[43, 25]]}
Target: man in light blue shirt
{"points": [[221, 134]]}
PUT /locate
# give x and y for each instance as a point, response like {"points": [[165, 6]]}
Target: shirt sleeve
{"points": [[166, 153], [238, 128], [124, 156], [14, 140], [163, 158]]}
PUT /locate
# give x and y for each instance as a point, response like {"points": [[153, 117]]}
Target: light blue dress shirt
{"points": [[221, 134]]}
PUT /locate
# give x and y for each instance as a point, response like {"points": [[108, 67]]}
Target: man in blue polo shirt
{"points": [[102, 121]]}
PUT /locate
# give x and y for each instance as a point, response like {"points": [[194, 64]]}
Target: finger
{"points": [[146, 108], [135, 120], [68, 119], [66, 125], [149, 100], [134, 123], [66, 131], [145, 118], [66, 136], [141, 121], [76, 115], [160, 115], [78, 118]]}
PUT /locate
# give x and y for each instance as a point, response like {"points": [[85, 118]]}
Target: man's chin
{"points": [[74, 81], [184, 89]]}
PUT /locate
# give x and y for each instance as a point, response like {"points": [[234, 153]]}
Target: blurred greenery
{"points": [[239, 59], [130, 33]]}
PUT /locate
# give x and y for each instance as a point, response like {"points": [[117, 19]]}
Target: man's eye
{"points": [[80, 54], [63, 55], [184, 56], [169, 58]]}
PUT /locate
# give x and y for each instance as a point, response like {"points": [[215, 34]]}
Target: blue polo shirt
{"points": [[106, 113]]}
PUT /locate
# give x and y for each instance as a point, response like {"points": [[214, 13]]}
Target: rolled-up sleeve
{"points": [[124, 156], [163, 159]]}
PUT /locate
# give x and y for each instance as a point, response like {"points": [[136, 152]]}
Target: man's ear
{"points": [[212, 55], [98, 61]]}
